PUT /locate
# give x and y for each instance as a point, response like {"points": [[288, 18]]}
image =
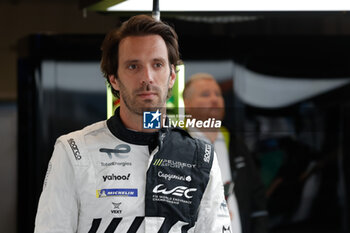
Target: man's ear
{"points": [[187, 103], [188, 106], [113, 81], [172, 77]]}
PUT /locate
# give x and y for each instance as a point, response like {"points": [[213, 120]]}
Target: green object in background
{"points": [[112, 101], [175, 104], [271, 162]]}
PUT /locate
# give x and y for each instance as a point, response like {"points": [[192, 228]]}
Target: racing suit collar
{"points": [[117, 128]]}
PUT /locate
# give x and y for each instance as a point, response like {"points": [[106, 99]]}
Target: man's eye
{"points": [[132, 67], [205, 94], [158, 65]]}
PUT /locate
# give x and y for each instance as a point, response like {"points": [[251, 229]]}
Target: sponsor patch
{"points": [[74, 148], [115, 177], [172, 176], [207, 153], [223, 211], [177, 195], [119, 151], [116, 208], [223, 205], [177, 191], [226, 229], [171, 163], [116, 192], [123, 164]]}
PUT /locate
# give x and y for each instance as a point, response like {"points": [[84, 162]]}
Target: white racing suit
{"points": [[106, 178]]}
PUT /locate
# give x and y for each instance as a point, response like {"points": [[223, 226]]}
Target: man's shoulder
{"points": [[201, 148], [183, 136], [89, 129], [77, 138], [74, 143], [181, 132], [186, 136]]}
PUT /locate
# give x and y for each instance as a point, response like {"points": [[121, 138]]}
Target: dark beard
{"points": [[129, 103]]}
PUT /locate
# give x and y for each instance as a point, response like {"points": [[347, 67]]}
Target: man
{"points": [[203, 101], [115, 175]]}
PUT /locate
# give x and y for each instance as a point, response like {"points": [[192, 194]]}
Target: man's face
{"points": [[144, 74], [205, 100]]}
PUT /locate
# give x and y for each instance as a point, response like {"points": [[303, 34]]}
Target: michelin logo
{"points": [[116, 192], [151, 120]]}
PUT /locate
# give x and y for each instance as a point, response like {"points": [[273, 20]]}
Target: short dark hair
{"points": [[140, 25]]}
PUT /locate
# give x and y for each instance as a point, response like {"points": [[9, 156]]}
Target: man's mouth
{"points": [[147, 94]]}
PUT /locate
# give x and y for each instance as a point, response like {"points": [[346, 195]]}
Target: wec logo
{"points": [[177, 191]]}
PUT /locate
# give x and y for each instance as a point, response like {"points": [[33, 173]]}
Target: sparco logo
{"points": [[117, 151], [207, 153], [177, 191], [172, 176], [171, 163], [75, 149], [115, 177]]}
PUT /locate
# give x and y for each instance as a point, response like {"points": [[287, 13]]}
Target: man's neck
{"points": [[211, 135]]}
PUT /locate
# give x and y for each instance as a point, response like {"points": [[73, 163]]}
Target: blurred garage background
{"points": [[285, 77]]}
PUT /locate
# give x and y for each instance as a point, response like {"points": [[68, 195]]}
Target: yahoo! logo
{"points": [[115, 177]]}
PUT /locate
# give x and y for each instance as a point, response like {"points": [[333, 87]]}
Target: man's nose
{"points": [[214, 100], [147, 76]]}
